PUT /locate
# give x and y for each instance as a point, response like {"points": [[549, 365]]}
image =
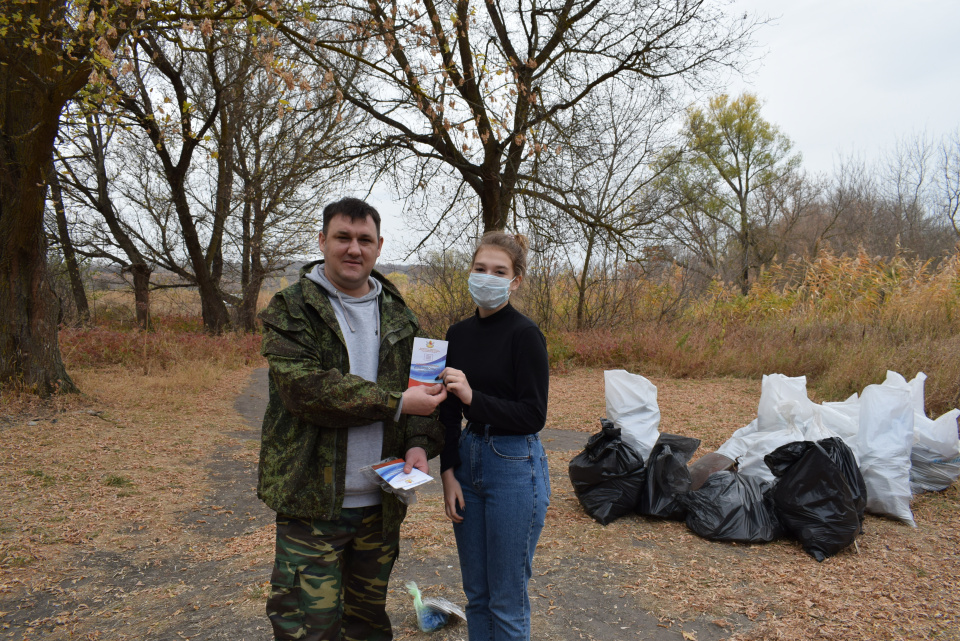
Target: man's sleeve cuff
{"points": [[395, 402]]}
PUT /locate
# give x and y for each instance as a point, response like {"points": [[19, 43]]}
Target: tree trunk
{"points": [[69, 255], [247, 313], [141, 292], [245, 223], [493, 207], [746, 240], [225, 178], [582, 285], [212, 307], [29, 352], [138, 266], [254, 274]]}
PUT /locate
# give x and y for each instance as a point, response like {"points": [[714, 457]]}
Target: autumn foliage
{"points": [[173, 341], [841, 321]]}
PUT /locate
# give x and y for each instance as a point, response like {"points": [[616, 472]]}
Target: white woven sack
{"points": [[632, 406]]}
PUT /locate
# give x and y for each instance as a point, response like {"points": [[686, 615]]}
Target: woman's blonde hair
{"points": [[515, 245]]}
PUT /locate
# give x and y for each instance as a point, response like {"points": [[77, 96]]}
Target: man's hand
{"points": [[416, 458], [421, 400]]}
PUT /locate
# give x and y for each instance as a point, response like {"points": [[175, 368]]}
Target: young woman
{"points": [[496, 485]]}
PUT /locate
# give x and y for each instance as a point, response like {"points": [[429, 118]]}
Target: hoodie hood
{"points": [[319, 276], [355, 309], [388, 287]]}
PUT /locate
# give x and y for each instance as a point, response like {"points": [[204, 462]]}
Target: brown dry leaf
{"points": [[114, 476]]}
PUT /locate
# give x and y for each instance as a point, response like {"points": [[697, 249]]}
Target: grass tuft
{"points": [[115, 480], [45, 479]]}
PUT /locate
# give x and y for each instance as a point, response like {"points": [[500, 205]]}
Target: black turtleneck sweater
{"points": [[504, 357]]}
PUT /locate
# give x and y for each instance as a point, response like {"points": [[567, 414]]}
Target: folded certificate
{"points": [[429, 359], [392, 473]]}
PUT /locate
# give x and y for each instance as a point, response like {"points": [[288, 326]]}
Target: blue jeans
{"points": [[506, 489]]}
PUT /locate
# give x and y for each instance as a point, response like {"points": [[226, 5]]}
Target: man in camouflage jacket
{"points": [[324, 419]]}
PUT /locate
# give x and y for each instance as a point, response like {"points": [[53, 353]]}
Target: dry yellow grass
{"points": [[111, 474], [117, 472], [897, 583]]}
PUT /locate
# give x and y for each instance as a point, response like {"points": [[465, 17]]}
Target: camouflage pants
{"points": [[330, 578]]}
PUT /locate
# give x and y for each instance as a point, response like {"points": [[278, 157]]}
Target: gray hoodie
{"points": [[360, 325]]}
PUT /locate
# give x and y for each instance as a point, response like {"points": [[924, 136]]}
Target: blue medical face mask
{"points": [[489, 291]]}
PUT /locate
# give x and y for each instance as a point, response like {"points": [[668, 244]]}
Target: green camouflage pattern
{"points": [[303, 451], [330, 578]]}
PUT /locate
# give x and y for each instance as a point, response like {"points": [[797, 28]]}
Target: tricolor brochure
{"points": [[429, 359], [392, 473]]}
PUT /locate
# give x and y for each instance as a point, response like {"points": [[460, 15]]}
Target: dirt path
{"points": [[204, 574], [573, 598], [133, 515]]}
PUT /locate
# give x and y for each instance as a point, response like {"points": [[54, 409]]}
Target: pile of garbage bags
{"points": [[800, 469]]}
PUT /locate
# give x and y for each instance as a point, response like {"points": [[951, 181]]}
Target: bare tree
{"points": [[290, 152], [847, 207], [159, 97], [691, 228], [82, 156], [478, 88], [254, 181], [949, 153], [601, 175], [440, 297], [910, 216], [907, 182], [782, 207]]}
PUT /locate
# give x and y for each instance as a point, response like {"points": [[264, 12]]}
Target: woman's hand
{"points": [[456, 383], [452, 495]]}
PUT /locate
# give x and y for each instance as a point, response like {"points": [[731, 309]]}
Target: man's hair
{"points": [[352, 208]]}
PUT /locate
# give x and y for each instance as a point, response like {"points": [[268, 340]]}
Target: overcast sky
{"points": [[842, 76]]}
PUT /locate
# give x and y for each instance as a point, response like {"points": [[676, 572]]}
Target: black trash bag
{"points": [[841, 454], [730, 506], [813, 500], [667, 476], [608, 475]]}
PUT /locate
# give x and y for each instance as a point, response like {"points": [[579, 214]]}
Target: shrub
{"points": [[173, 340], [841, 321]]}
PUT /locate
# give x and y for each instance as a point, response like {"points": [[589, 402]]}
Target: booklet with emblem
{"points": [[392, 473], [429, 359]]}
